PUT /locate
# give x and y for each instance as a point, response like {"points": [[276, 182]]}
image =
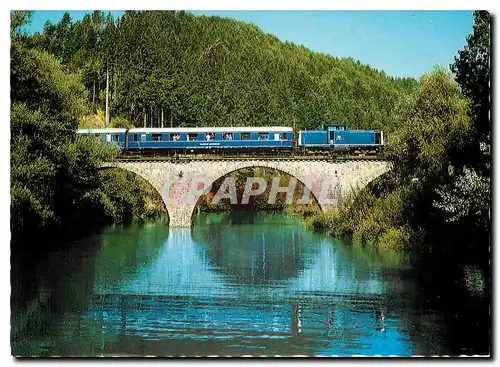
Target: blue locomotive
{"points": [[331, 138], [340, 138]]}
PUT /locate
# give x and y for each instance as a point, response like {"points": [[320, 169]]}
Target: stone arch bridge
{"points": [[182, 182]]}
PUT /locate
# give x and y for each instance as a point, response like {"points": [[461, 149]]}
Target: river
{"points": [[234, 285]]}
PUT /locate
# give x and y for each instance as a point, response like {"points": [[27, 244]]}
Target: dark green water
{"points": [[252, 285]]}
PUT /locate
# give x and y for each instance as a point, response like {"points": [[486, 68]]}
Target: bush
{"points": [[367, 231], [319, 222], [304, 211], [95, 121], [121, 122], [364, 218], [395, 238]]}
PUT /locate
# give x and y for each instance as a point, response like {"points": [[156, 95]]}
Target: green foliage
{"points": [[55, 179], [19, 18], [123, 197], [368, 220], [46, 103], [121, 122], [321, 222], [472, 72], [396, 238], [433, 121], [169, 68], [464, 199], [39, 80]]}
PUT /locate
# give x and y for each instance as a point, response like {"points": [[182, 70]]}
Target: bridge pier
{"points": [[175, 181], [180, 215]]}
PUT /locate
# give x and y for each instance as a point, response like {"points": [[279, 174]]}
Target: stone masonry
{"points": [[173, 180]]}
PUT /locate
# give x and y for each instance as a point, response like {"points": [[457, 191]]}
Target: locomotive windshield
{"points": [[333, 127]]}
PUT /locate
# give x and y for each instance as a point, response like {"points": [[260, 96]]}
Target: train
{"points": [[331, 138]]}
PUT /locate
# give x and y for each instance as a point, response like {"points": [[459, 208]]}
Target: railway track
{"points": [[183, 159]]}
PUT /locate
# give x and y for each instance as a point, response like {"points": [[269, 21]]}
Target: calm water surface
{"points": [[251, 285]]}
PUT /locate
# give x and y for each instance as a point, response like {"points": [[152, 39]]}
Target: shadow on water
{"points": [[41, 295], [460, 294]]}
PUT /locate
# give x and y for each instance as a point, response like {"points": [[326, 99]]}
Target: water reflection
{"points": [[53, 297], [250, 251], [262, 286], [124, 252]]}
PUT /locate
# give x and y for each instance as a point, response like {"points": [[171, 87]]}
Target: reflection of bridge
{"points": [[326, 180], [187, 298]]}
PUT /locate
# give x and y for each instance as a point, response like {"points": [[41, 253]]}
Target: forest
{"points": [[172, 68]]}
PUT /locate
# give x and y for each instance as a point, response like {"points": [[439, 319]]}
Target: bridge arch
{"points": [[309, 192], [344, 176]]}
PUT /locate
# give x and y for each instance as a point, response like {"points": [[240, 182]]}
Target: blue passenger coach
{"points": [[340, 137], [207, 138]]}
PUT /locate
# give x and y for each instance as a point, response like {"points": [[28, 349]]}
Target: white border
{"points": [[187, 5]]}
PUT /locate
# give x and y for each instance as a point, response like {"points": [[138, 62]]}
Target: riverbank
{"points": [[367, 219]]}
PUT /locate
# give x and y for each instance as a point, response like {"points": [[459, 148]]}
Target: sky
{"points": [[401, 43]]}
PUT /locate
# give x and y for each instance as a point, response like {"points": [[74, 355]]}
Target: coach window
{"points": [[192, 137], [157, 137], [115, 137], [136, 137], [245, 136], [263, 136], [227, 136], [209, 136]]}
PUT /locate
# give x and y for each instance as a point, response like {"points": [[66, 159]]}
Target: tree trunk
{"points": [[162, 116], [114, 77], [131, 113], [151, 115], [93, 96], [145, 117]]}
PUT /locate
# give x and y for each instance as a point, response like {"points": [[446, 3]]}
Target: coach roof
{"points": [[101, 131], [263, 129]]}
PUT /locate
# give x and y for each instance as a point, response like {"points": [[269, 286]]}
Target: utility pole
{"points": [[106, 121]]}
